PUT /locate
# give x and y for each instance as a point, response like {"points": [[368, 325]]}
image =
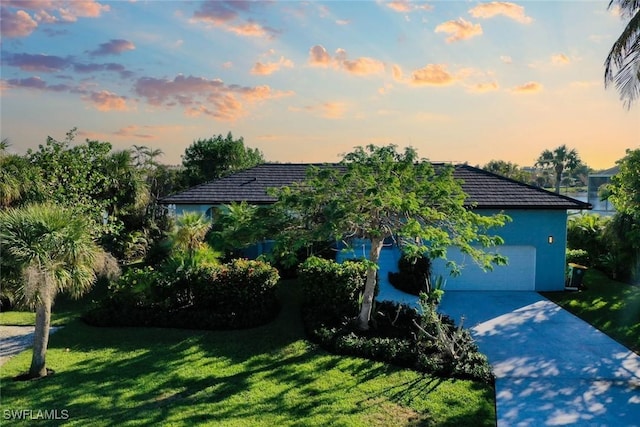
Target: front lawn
{"points": [[264, 376], [611, 306]]}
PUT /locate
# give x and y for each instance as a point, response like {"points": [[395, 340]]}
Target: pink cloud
{"points": [[560, 59], [432, 75], [405, 6], [459, 29], [264, 69], [198, 95], [318, 56], [529, 87], [495, 8], [135, 132], [225, 14], [35, 83], [107, 101], [18, 24], [113, 47], [484, 87], [328, 110], [82, 9], [360, 66], [39, 62]]}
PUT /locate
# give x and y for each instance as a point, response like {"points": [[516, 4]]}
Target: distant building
{"points": [[595, 182]]}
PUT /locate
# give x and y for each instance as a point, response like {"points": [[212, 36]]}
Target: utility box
{"points": [[575, 274]]}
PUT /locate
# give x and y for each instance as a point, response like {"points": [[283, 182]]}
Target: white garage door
{"points": [[518, 275]]}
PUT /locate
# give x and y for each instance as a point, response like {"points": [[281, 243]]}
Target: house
{"points": [[534, 241]]}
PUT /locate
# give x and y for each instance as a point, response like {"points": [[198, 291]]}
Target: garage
{"points": [[518, 275]]}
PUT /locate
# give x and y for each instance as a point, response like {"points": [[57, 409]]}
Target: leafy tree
{"points": [[622, 66], [19, 180], [48, 249], [208, 159], [559, 160], [508, 169], [91, 179], [624, 190], [379, 193]]}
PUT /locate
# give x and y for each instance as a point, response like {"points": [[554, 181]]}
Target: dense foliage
{"points": [[378, 193], [238, 294], [421, 340], [208, 159]]}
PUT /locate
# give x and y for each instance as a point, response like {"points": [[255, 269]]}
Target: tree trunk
{"points": [[370, 286], [41, 338], [559, 169]]}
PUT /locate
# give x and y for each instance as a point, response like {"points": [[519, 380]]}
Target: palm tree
{"points": [[191, 229], [48, 249], [559, 160], [622, 66]]}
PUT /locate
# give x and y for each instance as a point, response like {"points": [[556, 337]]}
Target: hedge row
{"points": [[238, 294]]}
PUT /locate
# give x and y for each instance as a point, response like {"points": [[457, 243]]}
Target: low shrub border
{"points": [[401, 345], [239, 294], [399, 335]]}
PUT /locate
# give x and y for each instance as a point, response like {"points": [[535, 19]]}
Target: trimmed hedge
{"points": [[331, 288], [578, 256], [239, 294]]}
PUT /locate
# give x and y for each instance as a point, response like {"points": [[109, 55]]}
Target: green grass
{"points": [[264, 376], [611, 306]]}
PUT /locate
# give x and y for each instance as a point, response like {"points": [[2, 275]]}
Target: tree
{"points": [[622, 66], [508, 169], [624, 190], [378, 193], [91, 179], [19, 180], [208, 159], [48, 249], [559, 160]]}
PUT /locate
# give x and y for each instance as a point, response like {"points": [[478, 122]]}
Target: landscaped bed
{"points": [[264, 376]]}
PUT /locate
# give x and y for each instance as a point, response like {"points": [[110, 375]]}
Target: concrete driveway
{"points": [[551, 367]]}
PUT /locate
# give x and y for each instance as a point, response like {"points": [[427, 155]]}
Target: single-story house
{"points": [[534, 241]]}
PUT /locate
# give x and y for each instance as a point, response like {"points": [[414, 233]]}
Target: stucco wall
{"points": [[534, 227], [528, 228]]}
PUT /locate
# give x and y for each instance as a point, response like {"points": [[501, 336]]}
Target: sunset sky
{"points": [[307, 81]]}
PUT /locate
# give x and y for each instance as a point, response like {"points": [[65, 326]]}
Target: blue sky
{"points": [[307, 81]]}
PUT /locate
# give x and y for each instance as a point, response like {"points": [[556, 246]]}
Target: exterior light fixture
{"points": [[550, 239]]}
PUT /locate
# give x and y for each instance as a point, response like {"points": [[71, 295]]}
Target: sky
{"points": [[307, 81]]}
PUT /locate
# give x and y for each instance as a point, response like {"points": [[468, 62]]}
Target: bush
{"points": [[412, 275], [397, 339], [235, 295], [578, 256], [331, 289]]}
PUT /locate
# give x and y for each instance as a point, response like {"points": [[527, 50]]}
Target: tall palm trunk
{"points": [[370, 286], [41, 338]]}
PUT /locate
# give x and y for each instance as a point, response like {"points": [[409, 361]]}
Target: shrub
{"points": [[235, 295], [412, 275], [398, 338], [578, 256], [586, 232], [330, 289]]}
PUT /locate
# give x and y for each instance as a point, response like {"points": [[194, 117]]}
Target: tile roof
{"points": [[485, 189]]}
